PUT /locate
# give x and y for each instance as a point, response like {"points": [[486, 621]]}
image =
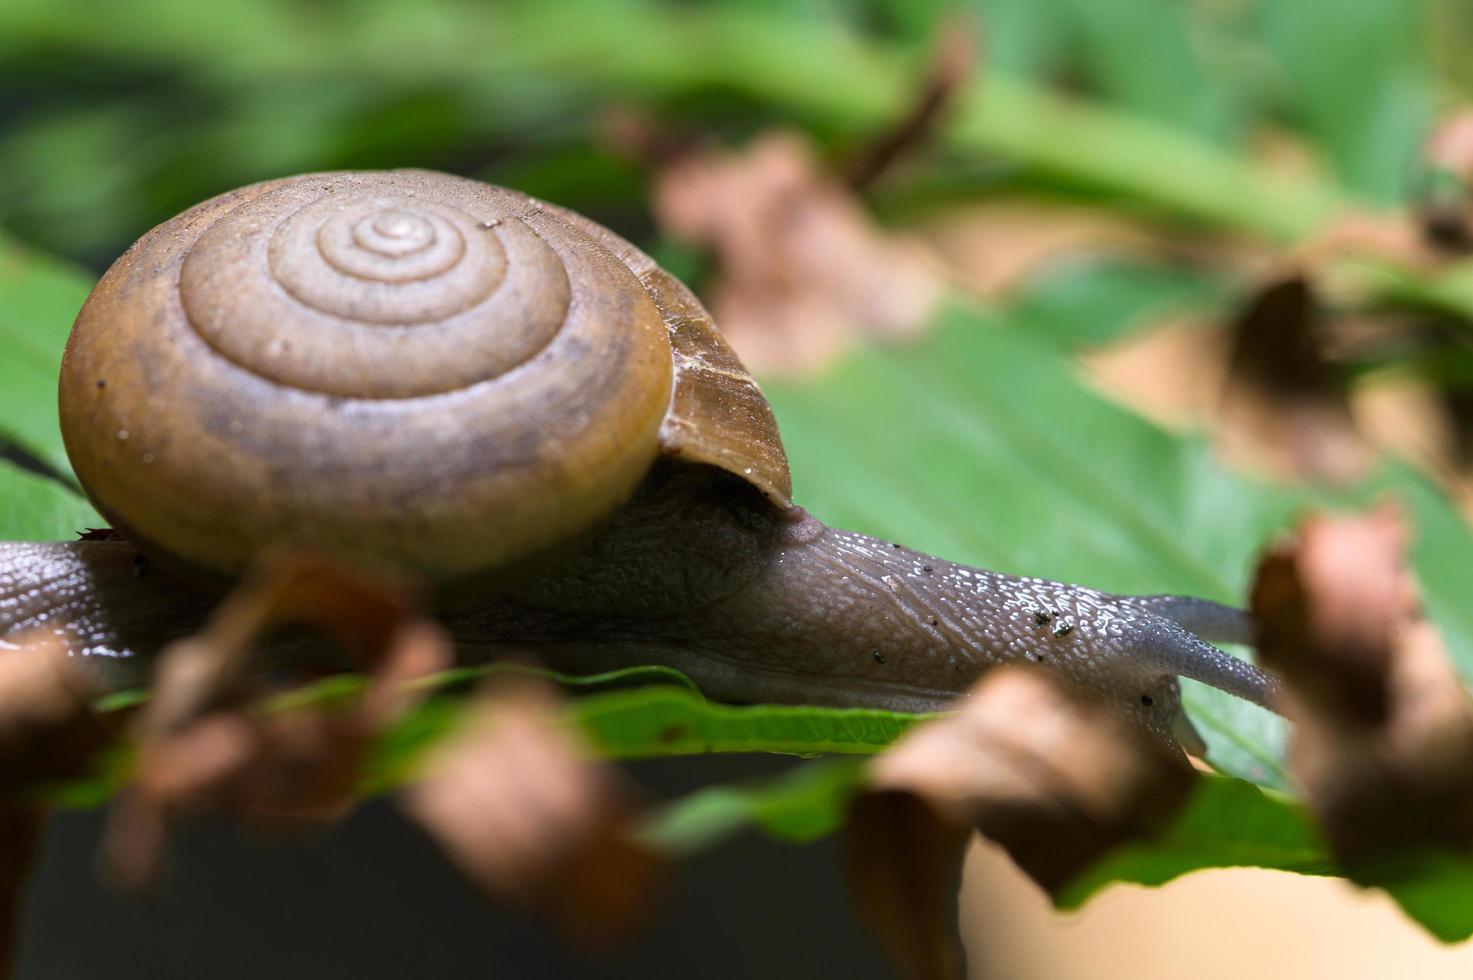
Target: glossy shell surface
{"points": [[406, 366]]}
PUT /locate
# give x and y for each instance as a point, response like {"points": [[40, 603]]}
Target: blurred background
{"points": [[1243, 220]]}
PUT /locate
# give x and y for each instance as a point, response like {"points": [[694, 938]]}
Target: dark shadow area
{"points": [[373, 898]]}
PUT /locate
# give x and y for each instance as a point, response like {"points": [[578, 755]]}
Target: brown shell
{"points": [[402, 366]]}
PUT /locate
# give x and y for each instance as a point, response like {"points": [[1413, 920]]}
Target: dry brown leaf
{"points": [[1331, 603], [519, 804], [1393, 236], [361, 611], [48, 729], [1283, 407], [1267, 385], [1383, 738], [905, 863], [803, 270], [204, 746], [1055, 780]]}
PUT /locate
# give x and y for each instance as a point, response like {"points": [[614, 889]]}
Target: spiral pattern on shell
{"points": [[333, 283], [405, 366]]}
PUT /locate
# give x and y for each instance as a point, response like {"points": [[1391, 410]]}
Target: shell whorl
{"points": [[404, 366], [329, 284]]}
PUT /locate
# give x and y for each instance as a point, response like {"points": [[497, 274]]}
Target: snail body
{"points": [[464, 384]]}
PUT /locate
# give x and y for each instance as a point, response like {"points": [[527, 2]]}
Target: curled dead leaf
{"points": [[48, 729], [803, 270], [1330, 603], [204, 744], [904, 860], [1055, 780], [1383, 737], [1285, 408], [519, 804]]}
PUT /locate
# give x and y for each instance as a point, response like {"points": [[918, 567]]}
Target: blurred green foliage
{"points": [[115, 116]]}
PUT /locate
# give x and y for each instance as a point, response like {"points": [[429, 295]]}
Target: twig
{"points": [[953, 62]]}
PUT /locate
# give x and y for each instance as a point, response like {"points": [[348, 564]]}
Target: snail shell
{"points": [[405, 367]]}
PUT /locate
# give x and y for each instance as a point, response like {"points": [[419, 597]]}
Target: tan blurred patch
{"points": [[1223, 924], [994, 246], [1259, 385], [1173, 374], [803, 269], [1408, 418]]}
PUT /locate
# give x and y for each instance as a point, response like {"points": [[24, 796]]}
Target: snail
{"points": [[499, 396]]}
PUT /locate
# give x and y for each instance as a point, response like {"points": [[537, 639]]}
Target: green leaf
{"points": [[35, 508], [654, 721], [665, 715], [1433, 887], [803, 804], [1230, 824], [980, 444], [1147, 56], [39, 299], [1227, 823], [1094, 299], [1355, 76]]}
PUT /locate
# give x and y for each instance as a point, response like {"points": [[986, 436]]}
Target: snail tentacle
{"points": [[1212, 621]]}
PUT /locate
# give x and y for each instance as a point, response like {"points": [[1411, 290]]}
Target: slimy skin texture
{"points": [[701, 574], [101, 600], [760, 606]]}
